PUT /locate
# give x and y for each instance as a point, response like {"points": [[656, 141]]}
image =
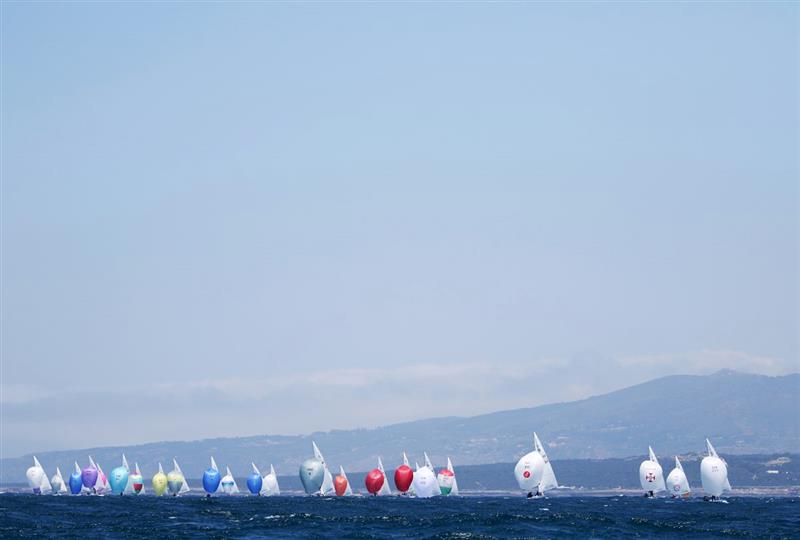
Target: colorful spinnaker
{"points": [[159, 482], [76, 481], [212, 478], [176, 481], [447, 480], [255, 482]]}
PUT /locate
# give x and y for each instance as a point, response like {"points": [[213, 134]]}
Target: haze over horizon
{"points": [[272, 218]]}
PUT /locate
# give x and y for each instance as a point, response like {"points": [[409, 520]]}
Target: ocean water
{"points": [[24, 516]]}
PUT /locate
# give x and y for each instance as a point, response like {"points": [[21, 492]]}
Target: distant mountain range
{"points": [[741, 413]]}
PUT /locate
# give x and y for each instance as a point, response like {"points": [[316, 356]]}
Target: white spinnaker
{"points": [[651, 475], [184, 485], [714, 473], [548, 476], [42, 479], [677, 483], [454, 490], [327, 482], [385, 489], [528, 471], [425, 483], [349, 490], [270, 486]]}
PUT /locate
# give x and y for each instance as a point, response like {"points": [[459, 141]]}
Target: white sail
{"points": [[651, 475], [255, 469], [349, 490], [327, 482], [454, 490], [214, 464], [229, 483], [185, 485], [677, 483], [405, 460], [425, 483], [714, 473], [385, 489], [428, 461], [129, 486], [548, 476], [270, 485], [37, 478]]}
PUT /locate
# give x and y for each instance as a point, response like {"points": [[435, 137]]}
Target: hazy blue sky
{"points": [[276, 218]]}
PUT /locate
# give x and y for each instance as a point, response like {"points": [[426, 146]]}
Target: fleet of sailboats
{"points": [[533, 472]]}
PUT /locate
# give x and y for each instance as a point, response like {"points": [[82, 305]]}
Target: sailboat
{"points": [[176, 481], [57, 483], [119, 477], [136, 481], [677, 484], [714, 474], [651, 475], [211, 478], [404, 477], [228, 484], [529, 471], [37, 478], [327, 482], [101, 485], [76, 481], [548, 480], [424, 483], [447, 480], [255, 482], [271, 487], [342, 484], [160, 482]]}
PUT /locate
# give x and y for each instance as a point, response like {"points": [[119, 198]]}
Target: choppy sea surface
{"points": [[394, 517]]}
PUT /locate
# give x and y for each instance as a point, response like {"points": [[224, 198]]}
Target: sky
{"points": [[280, 218]]}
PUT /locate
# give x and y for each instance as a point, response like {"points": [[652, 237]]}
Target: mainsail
{"points": [[327, 482], [385, 489], [454, 490], [548, 476]]}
